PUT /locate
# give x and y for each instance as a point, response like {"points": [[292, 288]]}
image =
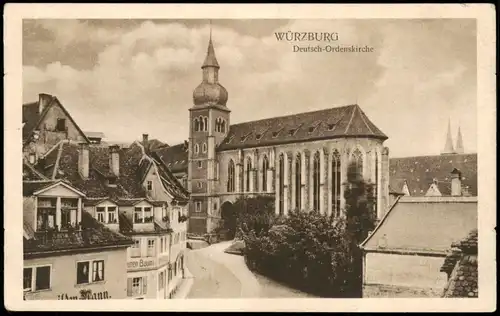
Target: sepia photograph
{"points": [[209, 157]]}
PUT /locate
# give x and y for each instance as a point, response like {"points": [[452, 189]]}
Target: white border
{"points": [[485, 15]]}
